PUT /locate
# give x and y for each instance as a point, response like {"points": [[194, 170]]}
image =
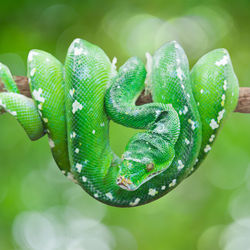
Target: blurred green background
{"points": [[40, 209]]}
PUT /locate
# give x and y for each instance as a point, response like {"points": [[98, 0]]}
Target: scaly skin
{"points": [[74, 103], [217, 85], [45, 73], [21, 107], [150, 153]]}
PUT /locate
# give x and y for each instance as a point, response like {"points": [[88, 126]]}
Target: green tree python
{"points": [[73, 104]]}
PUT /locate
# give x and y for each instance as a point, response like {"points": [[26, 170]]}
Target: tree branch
{"points": [[242, 107], [22, 84]]}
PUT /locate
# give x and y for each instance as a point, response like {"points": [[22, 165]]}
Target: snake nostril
{"points": [[119, 180]]}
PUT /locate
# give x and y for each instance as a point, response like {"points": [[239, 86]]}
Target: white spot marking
{"points": [[73, 135], [31, 55], [51, 143], [207, 148], [163, 187], [93, 132], [114, 61], [220, 116], [223, 100], [76, 106], [172, 183], [113, 66], [202, 91], [179, 73], [78, 167], [32, 72], [157, 112], [176, 45], [192, 124], [71, 92], [180, 165], [213, 124], [40, 106], [211, 138], [84, 179], [187, 141], [223, 61], [109, 195], [185, 110], [152, 191], [77, 41], [37, 95], [14, 113], [78, 51], [77, 150], [134, 203], [225, 85]]}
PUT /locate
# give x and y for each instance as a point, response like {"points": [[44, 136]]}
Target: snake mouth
{"points": [[125, 183], [155, 173]]}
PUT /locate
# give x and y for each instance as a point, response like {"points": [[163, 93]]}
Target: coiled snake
{"points": [[74, 102]]}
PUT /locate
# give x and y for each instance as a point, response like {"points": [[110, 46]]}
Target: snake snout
{"points": [[125, 183]]}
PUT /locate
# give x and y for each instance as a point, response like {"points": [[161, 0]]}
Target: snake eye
{"points": [[150, 166]]}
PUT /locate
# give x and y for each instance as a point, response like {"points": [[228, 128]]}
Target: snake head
{"points": [[133, 173], [145, 157]]}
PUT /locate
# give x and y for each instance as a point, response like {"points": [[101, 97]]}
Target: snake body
{"points": [[73, 103]]}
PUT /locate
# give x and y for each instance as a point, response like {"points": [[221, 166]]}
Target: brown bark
{"points": [[244, 101], [22, 83], [242, 107]]}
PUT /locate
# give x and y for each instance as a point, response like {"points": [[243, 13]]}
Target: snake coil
{"points": [[73, 103]]}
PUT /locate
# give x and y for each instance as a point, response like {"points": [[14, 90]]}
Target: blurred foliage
{"points": [[40, 209]]}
